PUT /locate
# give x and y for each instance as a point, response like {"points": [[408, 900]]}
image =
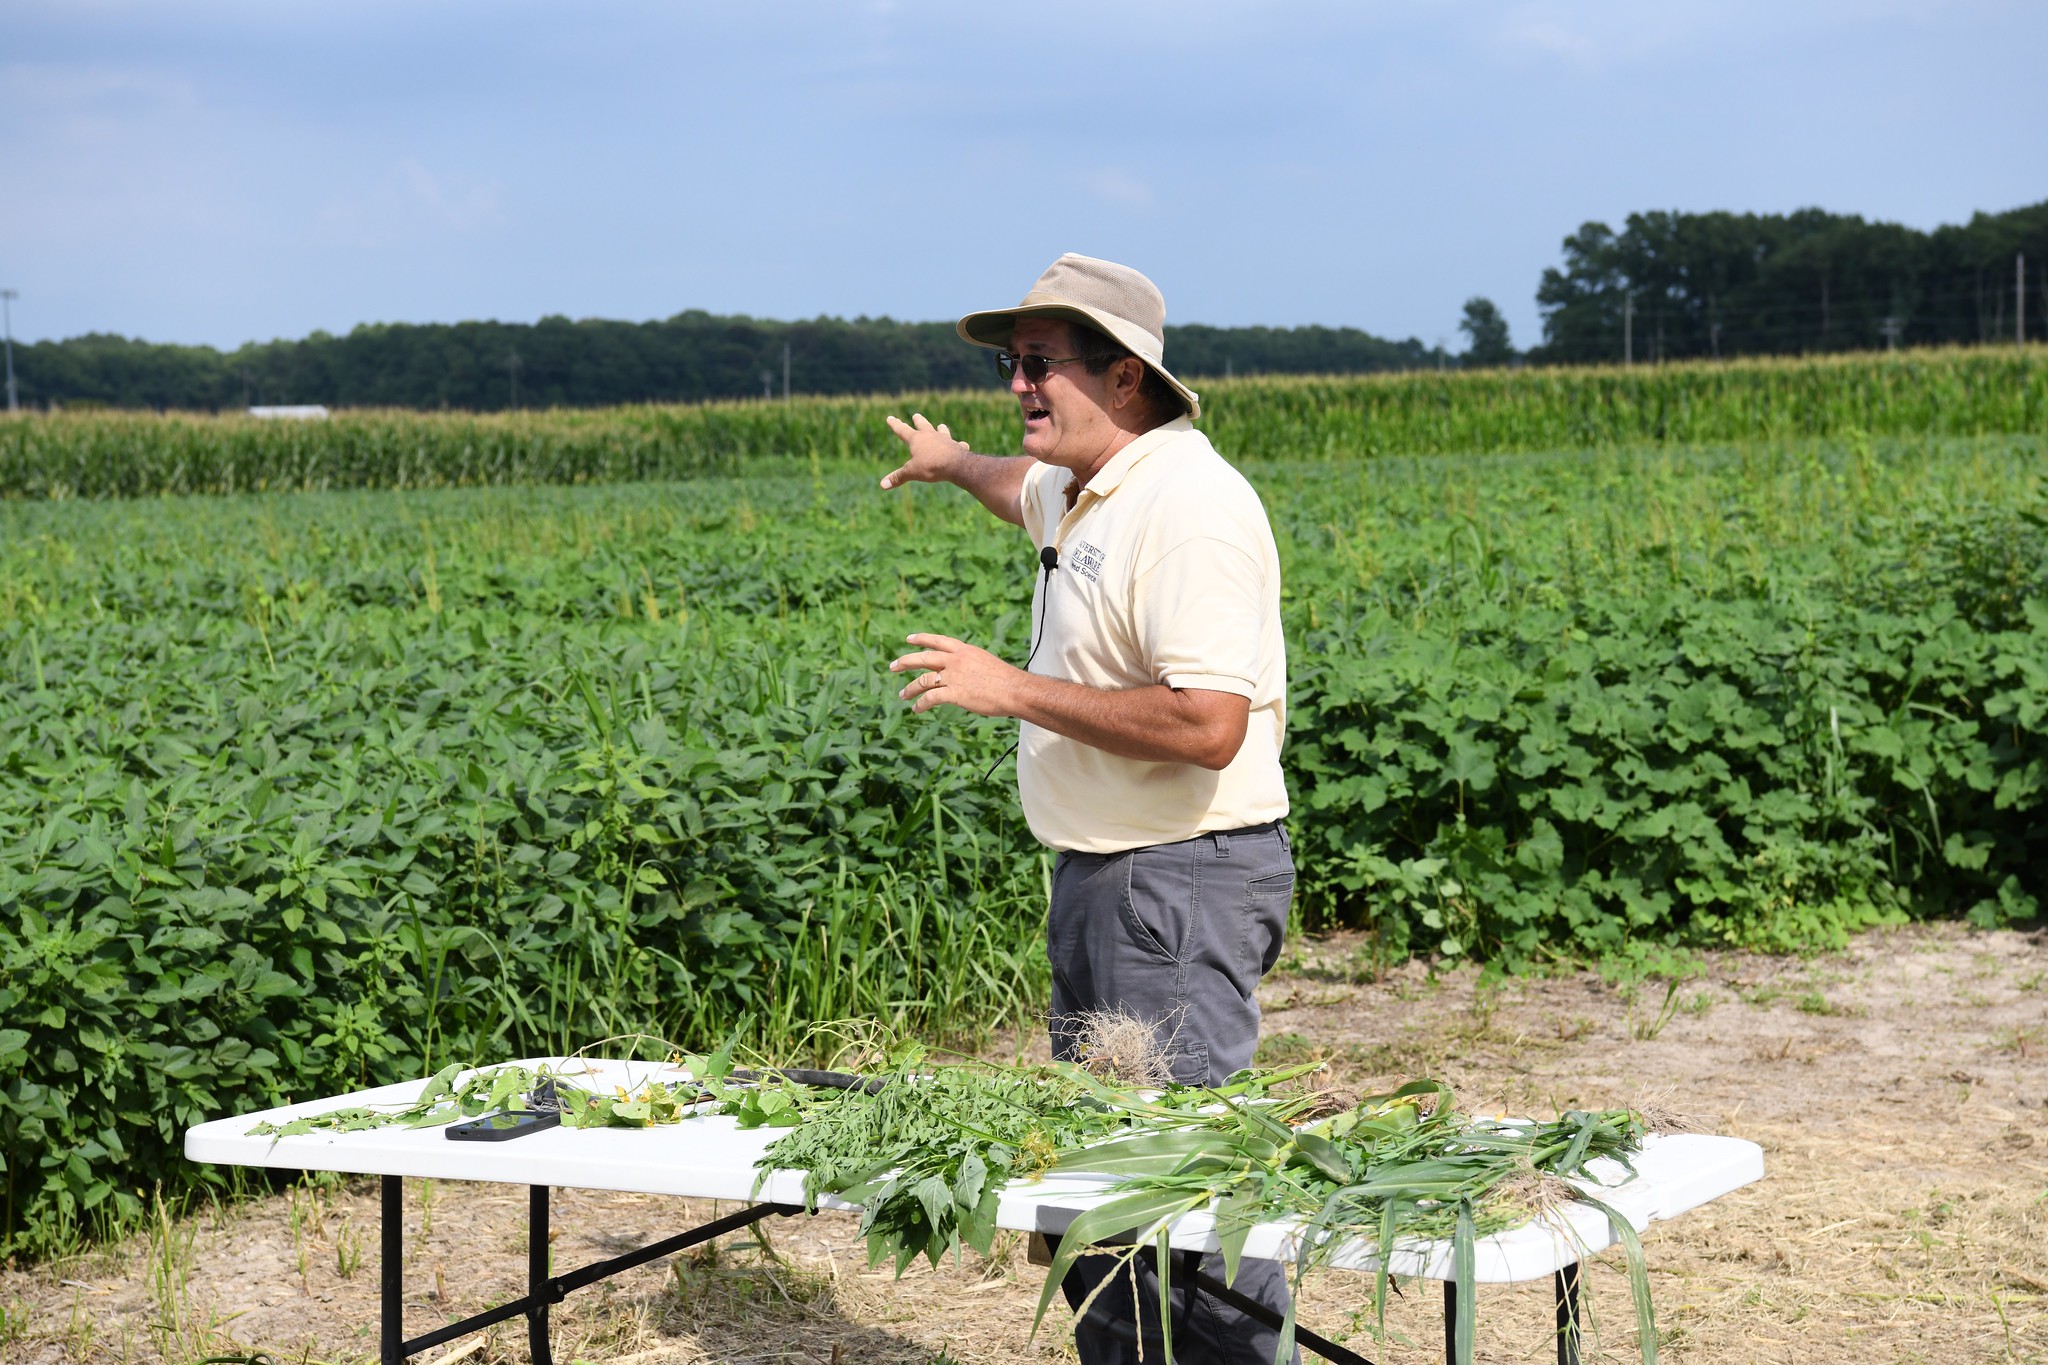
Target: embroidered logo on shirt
{"points": [[1086, 560]]}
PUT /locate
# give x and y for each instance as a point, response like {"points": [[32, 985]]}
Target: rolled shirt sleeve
{"points": [[1199, 615]]}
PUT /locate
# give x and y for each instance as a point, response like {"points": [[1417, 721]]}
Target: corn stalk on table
{"points": [[710, 1156]]}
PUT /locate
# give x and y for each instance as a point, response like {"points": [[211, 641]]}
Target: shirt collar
{"points": [[1124, 461]]}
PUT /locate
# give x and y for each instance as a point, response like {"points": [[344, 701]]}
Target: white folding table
{"points": [[709, 1156]]}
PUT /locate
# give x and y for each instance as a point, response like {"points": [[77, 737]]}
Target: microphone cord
{"points": [[1048, 561]]}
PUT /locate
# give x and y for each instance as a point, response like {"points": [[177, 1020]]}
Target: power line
{"points": [[1776, 318], [1783, 300]]}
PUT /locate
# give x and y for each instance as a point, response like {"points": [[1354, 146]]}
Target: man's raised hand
{"points": [[933, 452]]}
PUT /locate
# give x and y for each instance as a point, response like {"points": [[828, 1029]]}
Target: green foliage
{"points": [[448, 1096], [927, 1150], [301, 793], [1752, 727], [318, 805], [1726, 284], [928, 1154], [1486, 334], [1928, 393], [926, 1157]]}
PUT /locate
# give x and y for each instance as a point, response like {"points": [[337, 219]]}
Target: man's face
{"points": [[1067, 418]]}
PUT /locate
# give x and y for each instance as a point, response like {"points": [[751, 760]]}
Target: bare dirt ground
{"points": [[1899, 1090]]}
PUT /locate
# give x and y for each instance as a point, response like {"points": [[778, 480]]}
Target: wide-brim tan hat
{"points": [[1113, 299]]}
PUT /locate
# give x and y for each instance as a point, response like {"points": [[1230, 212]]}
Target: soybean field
{"points": [[303, 790]]}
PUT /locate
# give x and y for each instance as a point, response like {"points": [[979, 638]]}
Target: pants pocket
{"points": [[1188, 1063], [1280, 885], [1158, 888], [1267, 900]]}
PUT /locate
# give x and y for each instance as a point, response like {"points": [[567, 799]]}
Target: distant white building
{"points": [[300, 412]]}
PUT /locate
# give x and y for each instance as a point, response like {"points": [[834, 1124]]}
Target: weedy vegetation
{"points": [[927, 1151], [304, 792]]}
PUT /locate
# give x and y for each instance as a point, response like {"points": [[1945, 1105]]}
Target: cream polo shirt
{"points": [[1167, 574]]}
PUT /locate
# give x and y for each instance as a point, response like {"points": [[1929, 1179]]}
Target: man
{"points": [[1152, 714]]}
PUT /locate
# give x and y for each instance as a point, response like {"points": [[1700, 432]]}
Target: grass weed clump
{"points": [[1116, 1045]]}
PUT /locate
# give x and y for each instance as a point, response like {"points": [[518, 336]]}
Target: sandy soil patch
{"points": [[1899, 1090]]}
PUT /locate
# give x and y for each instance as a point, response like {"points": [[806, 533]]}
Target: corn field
{"points": [[1952, 392]]}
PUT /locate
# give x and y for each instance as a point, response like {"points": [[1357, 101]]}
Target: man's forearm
{"points": [[996, 480], [1154, 724]]}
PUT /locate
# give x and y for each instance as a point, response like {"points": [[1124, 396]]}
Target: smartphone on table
{"points": [[502, 1127]]}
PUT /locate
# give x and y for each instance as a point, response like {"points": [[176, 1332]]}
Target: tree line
{"points": [[1667, 286], [556, 362], [1702, 285]]}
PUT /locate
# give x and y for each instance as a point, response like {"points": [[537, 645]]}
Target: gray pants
{"points": [[1178, 935]]}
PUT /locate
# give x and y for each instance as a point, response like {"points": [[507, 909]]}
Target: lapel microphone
{"points": [[1048, 560]]}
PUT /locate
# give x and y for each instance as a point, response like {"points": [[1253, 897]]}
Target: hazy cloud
{"points": [[1548, 37], [69, 88], [409, 202], [1119, 187]]}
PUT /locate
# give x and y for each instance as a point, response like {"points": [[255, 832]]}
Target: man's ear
{"points": [[1130, 377]]}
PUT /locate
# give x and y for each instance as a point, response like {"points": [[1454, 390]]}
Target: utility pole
{"points": [[1628, 327], [1890, 329], [512, 363], [7, 298], [785, 372]]}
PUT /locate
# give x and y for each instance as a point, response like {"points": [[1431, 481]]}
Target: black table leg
{"points": [[1450, 1321], [391, 1345], [391, 1272], [542, 1289], [1568, 1315], [537, 1295]]}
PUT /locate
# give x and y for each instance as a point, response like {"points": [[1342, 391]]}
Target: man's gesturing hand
{"points": [[933, 452], [958, 674]]}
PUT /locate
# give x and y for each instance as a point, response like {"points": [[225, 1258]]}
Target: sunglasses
{"points": [[1034, 366]]}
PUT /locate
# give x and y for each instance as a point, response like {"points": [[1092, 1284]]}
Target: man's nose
{"points": [[1019, 385]]}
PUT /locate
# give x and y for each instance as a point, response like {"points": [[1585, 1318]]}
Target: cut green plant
{"points": [[926, 1151]]}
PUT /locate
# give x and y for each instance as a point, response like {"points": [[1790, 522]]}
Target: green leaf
{"points": [[1134, 1215], [968, 1184], [1325, 1156]]}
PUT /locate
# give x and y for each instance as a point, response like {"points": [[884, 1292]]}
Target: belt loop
{"points": [[1280, 826], [1222, 845]]}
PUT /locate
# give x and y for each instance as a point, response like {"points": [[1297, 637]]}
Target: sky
{"points": [[231, 172]]}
